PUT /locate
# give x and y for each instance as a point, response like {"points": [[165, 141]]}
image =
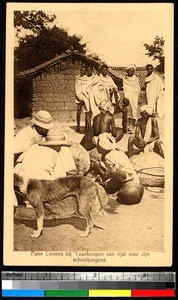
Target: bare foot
{"points": [[85, 233], [36, 233]]}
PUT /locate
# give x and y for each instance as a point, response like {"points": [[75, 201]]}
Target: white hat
{"points": [[106, 141], [131, 67], [56, 137], [43, 119], [107, 106]]}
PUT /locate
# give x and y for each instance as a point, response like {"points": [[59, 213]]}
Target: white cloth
{"points": [[37, 162], [23, 139], [131, 91], [108, 83], [40, 162], [146, 108], [154, 90], [131, 66], [78, 89], [106, 141], [161, 105], [148, 159], [65, 162], [120, 161], [147, 136], [15, 202], [92, 93]]}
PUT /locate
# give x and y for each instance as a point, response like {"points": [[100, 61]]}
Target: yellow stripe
{"points": [[109, 293]]}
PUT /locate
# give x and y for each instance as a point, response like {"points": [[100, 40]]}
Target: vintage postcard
{"points": [[89, 134]]}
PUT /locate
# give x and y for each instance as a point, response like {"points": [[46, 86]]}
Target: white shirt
{"points": [[119, 160], [41, 162], [24, 138]]}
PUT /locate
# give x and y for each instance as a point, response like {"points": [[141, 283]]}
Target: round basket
{"points": [[152, 176]]}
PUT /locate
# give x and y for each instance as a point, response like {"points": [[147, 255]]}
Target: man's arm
{"points": [[155, 131], [138, 130], [137, 134], [96, 127], [113, 127]]}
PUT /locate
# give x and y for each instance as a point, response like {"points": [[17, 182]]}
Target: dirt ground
{"points": [[137, 228]]}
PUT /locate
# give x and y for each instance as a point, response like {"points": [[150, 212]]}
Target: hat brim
{"points": [[55, 143], [45, 126]]}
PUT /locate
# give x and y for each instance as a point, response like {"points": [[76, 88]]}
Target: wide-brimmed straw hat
{"points": [[56, 137], [43, 119]]}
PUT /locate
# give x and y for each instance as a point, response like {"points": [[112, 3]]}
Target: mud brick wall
{"points": [[54, 91]]}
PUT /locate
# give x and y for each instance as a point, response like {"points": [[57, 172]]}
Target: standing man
{"points": [[131, 91], [92, 95], [109, 85], [154, 90], [78, 95]]}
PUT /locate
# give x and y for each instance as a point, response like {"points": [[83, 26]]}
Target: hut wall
{"points": [[54, 91]]}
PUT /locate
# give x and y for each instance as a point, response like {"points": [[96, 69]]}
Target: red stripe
{"points": [[153, 293]]}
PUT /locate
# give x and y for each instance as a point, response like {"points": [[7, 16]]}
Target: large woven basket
{"points": [[152, 176]]}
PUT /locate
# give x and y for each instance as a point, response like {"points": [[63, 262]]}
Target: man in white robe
{"points": [[78, 94], [154, 91], [131, 87], [92, 95], [109, 85]]}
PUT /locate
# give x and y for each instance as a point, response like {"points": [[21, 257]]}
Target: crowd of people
{"points": [[44, 153]]}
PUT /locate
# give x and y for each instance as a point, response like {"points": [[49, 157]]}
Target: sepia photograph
{"points": [[89, 134]]}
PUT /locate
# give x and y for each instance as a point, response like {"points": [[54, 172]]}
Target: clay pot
{"points": [[130, 193]]}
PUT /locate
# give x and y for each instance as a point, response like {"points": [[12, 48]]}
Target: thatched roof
{"points": [[75, 55], [117, 73]]}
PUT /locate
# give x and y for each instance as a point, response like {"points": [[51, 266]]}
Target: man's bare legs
{"points": [[79, 109], [88, 120], [131, 142]]}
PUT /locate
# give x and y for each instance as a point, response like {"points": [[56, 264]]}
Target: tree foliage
{"points": [[156, 50], [32, 20], [44, 43]]}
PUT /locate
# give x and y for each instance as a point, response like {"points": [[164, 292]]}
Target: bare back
{"points": [[104, 123]]}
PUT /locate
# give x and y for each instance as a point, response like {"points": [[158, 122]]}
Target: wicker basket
{"points": [[152, 176]]}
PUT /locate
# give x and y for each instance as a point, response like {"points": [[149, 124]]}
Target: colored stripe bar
{"points": [[22, 293], [109, 293], [153, 293], [66, 293]]}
